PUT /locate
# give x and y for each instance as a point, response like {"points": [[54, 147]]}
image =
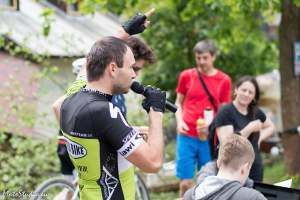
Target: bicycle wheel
{"points": [[141, 191], [52, 188]]}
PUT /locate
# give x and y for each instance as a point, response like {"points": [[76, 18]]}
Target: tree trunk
{"points": [[290, 84]]}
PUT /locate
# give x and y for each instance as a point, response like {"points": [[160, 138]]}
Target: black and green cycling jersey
{"points": [[98, 141]]}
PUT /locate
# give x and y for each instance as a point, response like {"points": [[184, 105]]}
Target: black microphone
{"points": [[140, 89]]}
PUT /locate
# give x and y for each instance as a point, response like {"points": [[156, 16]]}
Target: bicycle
{"points": [[51, 188]]}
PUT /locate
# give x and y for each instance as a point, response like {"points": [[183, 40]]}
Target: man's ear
{"points": [[112, 68], [213, 57]]}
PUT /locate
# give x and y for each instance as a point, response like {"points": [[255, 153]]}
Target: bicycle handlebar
{"points": [[293, 130], [290, 131]]}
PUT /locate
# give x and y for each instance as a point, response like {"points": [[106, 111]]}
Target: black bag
{"points": [[213, 140]]}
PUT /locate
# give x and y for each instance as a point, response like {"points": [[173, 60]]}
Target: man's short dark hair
{"points": [[102, 53], [141, 50], [206, 46]]}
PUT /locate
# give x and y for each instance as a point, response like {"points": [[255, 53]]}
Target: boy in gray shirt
{"points": [[235, 159]]}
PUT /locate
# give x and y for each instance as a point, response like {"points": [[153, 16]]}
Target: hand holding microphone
{"points": [[155, 98]]}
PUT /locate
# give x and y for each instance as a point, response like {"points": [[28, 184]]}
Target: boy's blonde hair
{"points": [[235, 151]]}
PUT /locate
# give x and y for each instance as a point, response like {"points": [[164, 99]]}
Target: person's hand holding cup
{"points": [[202, 129]]}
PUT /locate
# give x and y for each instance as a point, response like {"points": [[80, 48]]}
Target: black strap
{"points": [[211, 99]]}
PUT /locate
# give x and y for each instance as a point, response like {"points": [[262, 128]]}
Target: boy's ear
{"points": [[246, 167], [218, 163]]}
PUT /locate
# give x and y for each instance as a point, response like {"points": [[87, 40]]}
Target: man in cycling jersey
{"points": [[143, 54], [100, 142]]}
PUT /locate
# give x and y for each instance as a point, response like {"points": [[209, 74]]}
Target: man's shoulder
{"points": [[87, 101], [98, 105], [249, 194], [222, 75], [187, 71]]}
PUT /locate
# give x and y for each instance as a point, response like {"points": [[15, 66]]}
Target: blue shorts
{"points": [[189, 152]]}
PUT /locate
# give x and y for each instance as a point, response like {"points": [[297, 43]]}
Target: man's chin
{"points": [[122, 91], [126, 91]]}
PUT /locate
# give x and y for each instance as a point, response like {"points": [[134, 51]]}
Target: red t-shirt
{"points": [[195, 97]]}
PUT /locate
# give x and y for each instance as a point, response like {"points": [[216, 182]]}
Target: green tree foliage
{"points": [[25, 163], [47, 15], [237, 26]]}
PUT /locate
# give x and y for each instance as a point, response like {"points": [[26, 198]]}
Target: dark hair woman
{"points": [[246, 118]]}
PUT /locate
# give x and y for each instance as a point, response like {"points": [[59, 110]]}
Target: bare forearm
{"points": [[155, 137], [149, 155], [56, 107], [224, 132], [266, 133], [245, 132], [122, 34], [178, 113], [178, 103]]}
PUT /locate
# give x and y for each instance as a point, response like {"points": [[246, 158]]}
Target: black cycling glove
{"points": [[135, 25], [155, 98]]}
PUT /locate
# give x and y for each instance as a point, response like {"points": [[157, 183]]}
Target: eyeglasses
{"points": [[136, 68]]}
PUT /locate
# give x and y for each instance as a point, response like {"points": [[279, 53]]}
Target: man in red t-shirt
{"points": [[192, 100]]}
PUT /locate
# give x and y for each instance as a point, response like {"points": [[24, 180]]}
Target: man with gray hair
{"points": [[236, 156], [201, 89]]}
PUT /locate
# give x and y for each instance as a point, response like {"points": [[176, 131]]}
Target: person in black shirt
{"points": [[244, 117]]}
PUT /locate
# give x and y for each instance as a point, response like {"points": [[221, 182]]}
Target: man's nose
{"points": [[134, 74], [203, 63]]}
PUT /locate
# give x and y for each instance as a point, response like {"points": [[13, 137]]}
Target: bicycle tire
{"points": [[41, 192], [142, 192]]}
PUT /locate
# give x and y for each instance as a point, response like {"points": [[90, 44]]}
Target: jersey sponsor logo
{"points": [[129, 136], [128, 149], [82, 168], [114, 111], [83, 135], [75, 150], [131, 142]]}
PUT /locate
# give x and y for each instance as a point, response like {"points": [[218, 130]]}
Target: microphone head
{"points": [[137, 87]]}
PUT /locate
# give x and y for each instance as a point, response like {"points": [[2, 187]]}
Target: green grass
{"points": [[164, 196], [276, 172]]}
